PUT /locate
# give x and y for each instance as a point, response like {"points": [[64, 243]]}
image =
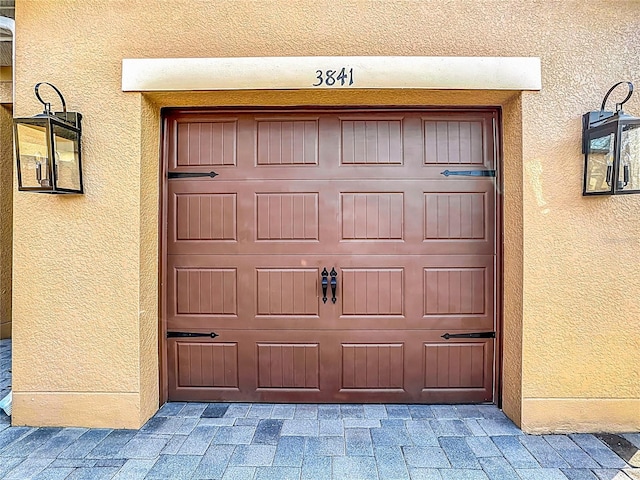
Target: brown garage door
{"points": [[357, 201]]}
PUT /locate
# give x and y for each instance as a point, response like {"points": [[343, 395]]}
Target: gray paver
{"points": [[300, 427], [483, 447], [495, 427], [425, 457], [9, 464], [283, 411], [449, 428], [329, 412], [27, 444], [234, 435], [112, 444], [214, 462], [239, 473], [56, 474], [420, 412], [198, 441], [11, 435], [598, 451], [541, 474], [445, 412], [93, 473], [253, 456], [194, 409], [546, 456], [390, 436], [474, 427], [135, 469], [390, 463], [143, 446], [85, 443], [579, 474], [215, 410], [260, 410], [572, 453], [463, 474], [169, 410], [289, 452], [374, 411], [174, 467], [358, 442], [398, 411], [355, 468], [459, 453], [277, 473], [421, 433], [497, 468], [324, 446], [331, 427], [316, 468], [268, 432], [238, 410], [352, 411], [306, 411], [514, 452], [425, 474], [609, 474], [58, 443], [28, 469], [173, 445]]}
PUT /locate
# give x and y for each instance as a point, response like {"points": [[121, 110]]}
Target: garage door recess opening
{"points": [[332, 253]]}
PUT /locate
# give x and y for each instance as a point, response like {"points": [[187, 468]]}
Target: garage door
{"points": [[336, 256]]}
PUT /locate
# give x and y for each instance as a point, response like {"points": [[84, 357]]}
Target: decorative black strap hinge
{"points": [[447, 336], [470, 173], [190, 334], [191, 174]]}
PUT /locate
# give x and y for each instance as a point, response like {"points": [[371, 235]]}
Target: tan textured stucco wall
{"points": [[6, 218], [87, 266]]}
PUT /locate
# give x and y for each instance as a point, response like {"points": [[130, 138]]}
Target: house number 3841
{"points": [[334, 78]]}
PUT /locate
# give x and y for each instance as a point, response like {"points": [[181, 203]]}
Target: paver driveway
{"points": [[281, 442]]}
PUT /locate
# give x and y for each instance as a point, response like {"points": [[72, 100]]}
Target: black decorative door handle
{"points": [[334, 284], [325, 284]]}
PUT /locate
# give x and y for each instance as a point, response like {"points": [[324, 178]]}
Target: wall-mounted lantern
{"points": [[48, 150], [611, 147]]}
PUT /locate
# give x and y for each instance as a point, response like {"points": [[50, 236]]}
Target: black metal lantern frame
{"points": [[611, 147], [48, 149]]}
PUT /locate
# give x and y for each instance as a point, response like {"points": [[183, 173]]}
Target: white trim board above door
{"points": [[309, 73]]}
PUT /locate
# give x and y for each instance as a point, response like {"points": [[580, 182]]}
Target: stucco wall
{"points": [[6, 218], [86, 267]]}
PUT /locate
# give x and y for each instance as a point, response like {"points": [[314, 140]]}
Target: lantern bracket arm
{"points": [[618, 105], [47, 105]]}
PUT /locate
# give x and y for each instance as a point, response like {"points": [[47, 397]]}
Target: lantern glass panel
{"points": [[32, 147], [629, 170], [599, 164], [67, 158]]}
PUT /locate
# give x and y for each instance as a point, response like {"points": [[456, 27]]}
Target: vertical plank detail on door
{"points": [[455, 291], [453, 143], [287, 216], [372, 291], [206, 143], [207, 364], [454, 216], [377, 142], [372, 366], [288, 365], [211, 291], [287, 291], [210, 216], [372, 216], [287, 142], [454, 365]]}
